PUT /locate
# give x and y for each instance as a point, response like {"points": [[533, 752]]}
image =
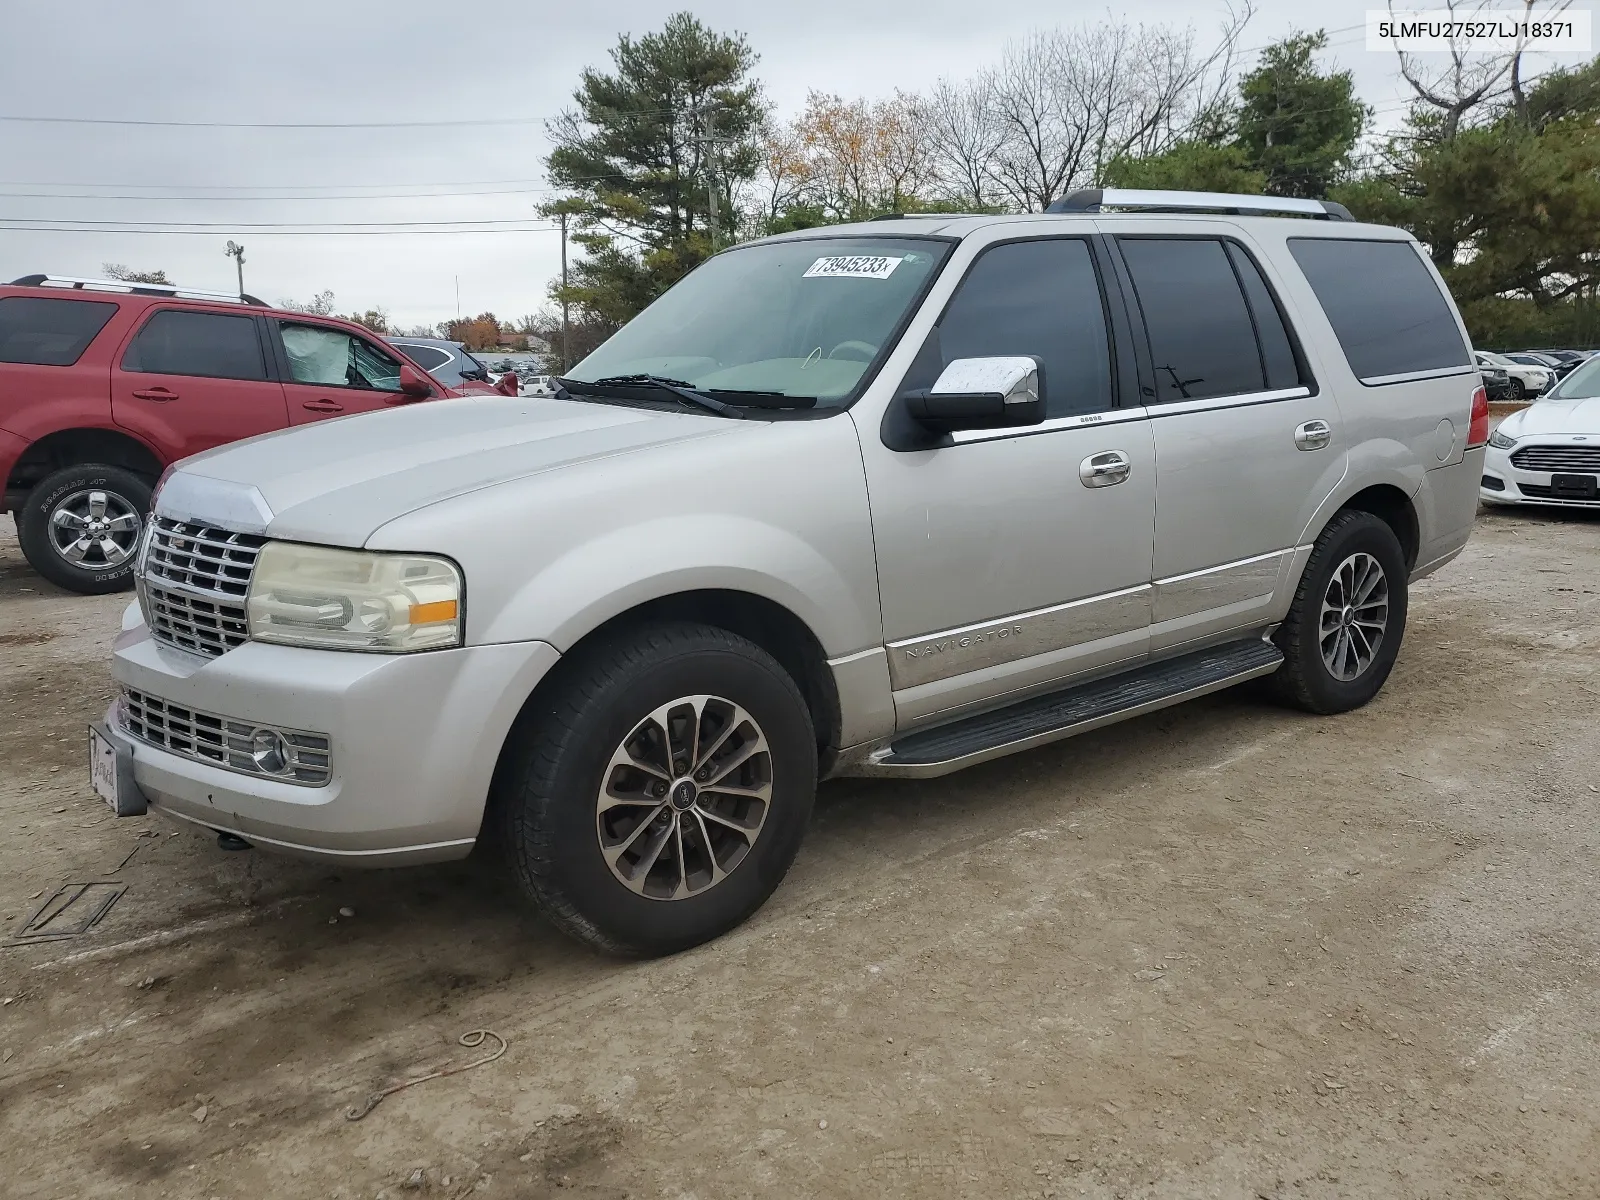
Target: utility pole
{"points": [[566, 317], [236, 252], [711, 194]]}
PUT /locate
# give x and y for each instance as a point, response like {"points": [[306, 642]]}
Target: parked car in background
{"points": [[1549, 453], [1525, 379], [536, 385], [105, 384], [1496, 382], [873, 499], [1560, 367], [448, 362]]}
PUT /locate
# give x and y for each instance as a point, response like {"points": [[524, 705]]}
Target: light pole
{"points": [[236, 252]]}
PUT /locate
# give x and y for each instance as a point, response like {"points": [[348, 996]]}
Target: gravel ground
{"points": [[1225, 950]]}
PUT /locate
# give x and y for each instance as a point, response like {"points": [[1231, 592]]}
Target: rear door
{"points": [[190, 379], [331, 372], [1247, 448]]}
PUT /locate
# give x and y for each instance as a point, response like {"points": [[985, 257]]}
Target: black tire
{"points": [[1518, 391], [1306, 680], [95, 576], [546, 789]]}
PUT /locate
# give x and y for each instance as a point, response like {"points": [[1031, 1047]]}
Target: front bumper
{"points": [[413, 742], [1517, 486]]}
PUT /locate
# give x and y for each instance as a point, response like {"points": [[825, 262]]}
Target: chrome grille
{"points": [[221, 741], [1584, 460], [194, 582]]}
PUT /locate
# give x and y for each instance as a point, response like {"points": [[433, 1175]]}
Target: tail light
{"points": [[1478, 431]]}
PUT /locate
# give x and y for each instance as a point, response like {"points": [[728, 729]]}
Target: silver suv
{"points": [[883, 499]]}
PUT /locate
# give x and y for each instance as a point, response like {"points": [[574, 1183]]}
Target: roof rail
{"points": [[1097, 199], [135, 289]]}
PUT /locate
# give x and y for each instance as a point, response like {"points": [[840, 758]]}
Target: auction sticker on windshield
{"points": [[853, 266]]}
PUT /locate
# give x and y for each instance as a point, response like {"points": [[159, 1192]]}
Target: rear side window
{"points": [[210, 345], [49, 333], [1036, 298], [1202, 337], [429, 358], [1385, 308]]}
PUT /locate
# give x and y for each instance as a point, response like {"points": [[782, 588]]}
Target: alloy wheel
{"points": [[684, 797], [95, 530], [1355, 614]]}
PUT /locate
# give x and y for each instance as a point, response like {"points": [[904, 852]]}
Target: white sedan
{"points": [[1526, 380], [1549, 453]]}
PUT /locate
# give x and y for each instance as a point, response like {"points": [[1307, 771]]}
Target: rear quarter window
{"points": [[1385, 307], [48, 332], [429, 358]]}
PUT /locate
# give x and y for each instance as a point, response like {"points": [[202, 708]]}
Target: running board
{"points": [[1049, 718]]}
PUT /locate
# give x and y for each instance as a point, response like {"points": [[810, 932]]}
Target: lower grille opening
{"points": [[265, 751]]}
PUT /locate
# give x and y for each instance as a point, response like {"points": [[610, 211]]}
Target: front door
{"points": [[190, 379], [331, 372], [1005, 561], [1248, 449]]}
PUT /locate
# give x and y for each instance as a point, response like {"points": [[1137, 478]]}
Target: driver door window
{"points": [[1039, 298], [330, 372]]}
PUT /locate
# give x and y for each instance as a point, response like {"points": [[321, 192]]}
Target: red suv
{"points": [[104, 384]]}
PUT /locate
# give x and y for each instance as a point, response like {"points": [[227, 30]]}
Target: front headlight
{"points": [[1500, 441], [354, 599]]}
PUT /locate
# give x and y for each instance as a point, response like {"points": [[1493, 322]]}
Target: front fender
{"points": [[599, 579]]}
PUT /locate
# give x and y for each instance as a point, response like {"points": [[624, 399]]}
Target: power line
{"points": [[334, 225], [277, 232], [259, 199], [146, 123]]}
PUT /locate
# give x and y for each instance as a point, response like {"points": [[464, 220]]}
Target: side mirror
{"points": [[981, 393], [414, 383]]}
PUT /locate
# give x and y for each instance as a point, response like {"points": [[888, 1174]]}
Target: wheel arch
{"points": [[69, 447], [770, 625], [1395, 509]]}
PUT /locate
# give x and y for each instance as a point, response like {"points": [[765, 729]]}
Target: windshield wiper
{"points": [[759, 398], [678, 387]]}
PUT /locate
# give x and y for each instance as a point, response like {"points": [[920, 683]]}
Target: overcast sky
{"points": [[334, 61]]}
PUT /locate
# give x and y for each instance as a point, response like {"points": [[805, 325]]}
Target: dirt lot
{"points": [[1223, 951]]}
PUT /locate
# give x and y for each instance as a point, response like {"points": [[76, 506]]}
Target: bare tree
{"points": [[964, 138], [1068, 102], [320, 305], [1472, 78], [127, 275]]}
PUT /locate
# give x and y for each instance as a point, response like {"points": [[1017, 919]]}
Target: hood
{"points": [[336, 481], [1557, 418]]}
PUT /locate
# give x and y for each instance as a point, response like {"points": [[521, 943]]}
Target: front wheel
{"points": [[1519, 391], [656, 795], [1343, 630], [80, 527]]}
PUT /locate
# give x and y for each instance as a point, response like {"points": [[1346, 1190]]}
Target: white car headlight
{"points": [[1500, 441], [332, 599]]}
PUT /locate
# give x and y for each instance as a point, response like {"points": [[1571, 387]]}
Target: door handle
{"points": [[1313, 435], [155, 393], [1104, 469], [323, 406]]}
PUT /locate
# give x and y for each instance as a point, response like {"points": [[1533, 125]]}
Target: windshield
{"points": [[1582, 384], [804, 318]]}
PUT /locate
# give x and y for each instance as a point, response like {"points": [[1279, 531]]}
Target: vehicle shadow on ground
{"points": [[470, 921]]}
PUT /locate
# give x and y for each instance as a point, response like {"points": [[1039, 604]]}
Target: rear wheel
{"points": [[659, 794], [1343, 631], [80, 527]]}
